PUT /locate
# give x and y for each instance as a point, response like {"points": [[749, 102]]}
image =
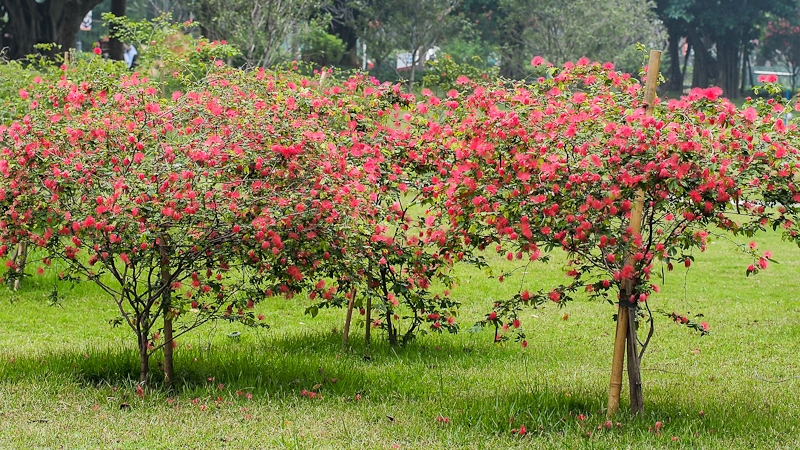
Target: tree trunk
{"points": [[511, 63], [348, 319], [166, 306], [30, 23], [703, 62], [634, 369], [627, 301], [115, 50], [144, 358], [369, 320], [728, 68], [392, 331], [743, 75], [674, 75], [414, 61], [686, 59], [169, 368]]}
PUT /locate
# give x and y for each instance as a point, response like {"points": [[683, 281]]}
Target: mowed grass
{"points": [[67, 378]]}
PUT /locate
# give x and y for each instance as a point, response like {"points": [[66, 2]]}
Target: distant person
{"points": [[130, 55]]}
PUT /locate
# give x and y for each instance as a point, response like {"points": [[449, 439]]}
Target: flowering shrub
{"points": [[558, 164], [566, 162], [197, 205], [177, 208], [393, 252]]}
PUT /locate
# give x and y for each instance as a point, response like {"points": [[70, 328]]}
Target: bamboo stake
{"points": [[20, 258], [617, 361], [626, 313]]}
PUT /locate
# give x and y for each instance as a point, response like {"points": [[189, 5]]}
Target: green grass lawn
{"points": [[66, 376]]}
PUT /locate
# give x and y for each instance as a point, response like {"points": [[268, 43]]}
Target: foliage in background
{"points": [[564, 31], [15, 77], [405, 26], [782, 42], [320, 47], [260, 29], [169, 52], [727, 28], [445, 73]]}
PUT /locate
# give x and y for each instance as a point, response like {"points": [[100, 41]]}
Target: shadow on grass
{"points": [[263, 362], [460, 380]]}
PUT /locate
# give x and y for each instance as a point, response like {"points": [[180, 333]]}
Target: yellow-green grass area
{"points": [[67, 378]]}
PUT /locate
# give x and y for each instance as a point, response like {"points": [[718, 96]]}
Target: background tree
{"points": [[25, 23], [116, 50], [258, 28], [782, 41], [675, 33], [370, 23], [478, 36], [343, 18], [321, 47], [407, 26], [720, 32], [563, 31]]}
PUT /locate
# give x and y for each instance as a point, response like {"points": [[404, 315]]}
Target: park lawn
{"points": [[67, 377]]}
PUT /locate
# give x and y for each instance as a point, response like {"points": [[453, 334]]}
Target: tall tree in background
{"points": [[410, 26], [343, 19], [782, 42], [371, 22], [675, 33], [719, 32], [116, 50], [566, 30], [259, 28], [25, 23]]}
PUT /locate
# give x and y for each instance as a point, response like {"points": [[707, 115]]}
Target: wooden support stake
{"points": [[618, 361], [20, 258], [626, 314]]}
